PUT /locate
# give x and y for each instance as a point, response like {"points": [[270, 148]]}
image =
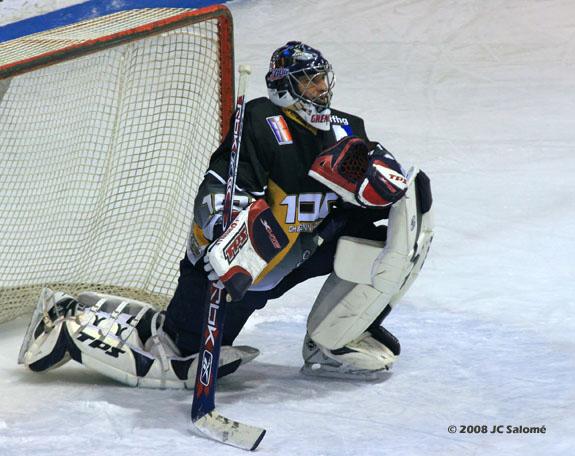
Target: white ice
{"points": [[481, 95]]}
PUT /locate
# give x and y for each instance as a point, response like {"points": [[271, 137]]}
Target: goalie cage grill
{"points": [[101, 154]]}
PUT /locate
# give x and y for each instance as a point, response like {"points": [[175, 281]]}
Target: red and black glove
{"points": [[363, 174], [383, 182]]}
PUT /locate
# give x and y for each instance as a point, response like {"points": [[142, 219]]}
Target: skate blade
{"points": [[246, 353], [42, 308], [323, 371]]}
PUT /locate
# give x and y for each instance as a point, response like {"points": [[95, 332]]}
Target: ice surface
{"points": [[481, 95]]}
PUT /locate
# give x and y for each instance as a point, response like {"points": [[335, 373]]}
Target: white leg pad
{"points": [[369, 275], [107, 338], [343, 311], [103, 334]]}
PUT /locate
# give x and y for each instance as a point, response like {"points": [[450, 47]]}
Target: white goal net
{"points": [[101, 155]]}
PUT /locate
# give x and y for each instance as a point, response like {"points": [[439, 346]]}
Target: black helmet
{"points": [[289, 67]]}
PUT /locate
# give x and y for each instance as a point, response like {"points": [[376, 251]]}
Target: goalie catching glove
{"points": [[243, 251], [363, 174]]}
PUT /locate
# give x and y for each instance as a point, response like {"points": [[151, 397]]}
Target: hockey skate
{"points": [[366, 358]]}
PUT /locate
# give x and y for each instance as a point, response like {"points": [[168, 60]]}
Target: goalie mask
{"points": [[301, 79]]}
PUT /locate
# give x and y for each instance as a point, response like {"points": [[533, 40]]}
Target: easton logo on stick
{"points": [[233, 247]]}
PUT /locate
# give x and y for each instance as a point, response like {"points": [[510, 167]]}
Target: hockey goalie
{"points": [[314, 197]]}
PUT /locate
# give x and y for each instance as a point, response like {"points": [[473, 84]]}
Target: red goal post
{"points": [[108, 122]]}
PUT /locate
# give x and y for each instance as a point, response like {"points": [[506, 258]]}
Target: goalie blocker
{"points": [[244, 250]]}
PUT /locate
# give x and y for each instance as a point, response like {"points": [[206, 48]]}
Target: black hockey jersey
{"points": [[277, 151]]}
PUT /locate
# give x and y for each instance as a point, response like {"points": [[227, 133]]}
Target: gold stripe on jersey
{"points": [[274, 197], [297, 119], [199, 235]]}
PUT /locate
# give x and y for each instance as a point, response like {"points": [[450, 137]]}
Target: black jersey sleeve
{"points": [[253, 163], [360, 128]]}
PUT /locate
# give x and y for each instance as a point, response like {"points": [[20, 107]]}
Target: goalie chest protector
{"points": [[277, 151]]}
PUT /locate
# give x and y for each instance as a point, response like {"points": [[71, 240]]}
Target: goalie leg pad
{"points": [[124, 340], [409, 236], [369, 276], [343, 311], [342, 340], [119, 338]]}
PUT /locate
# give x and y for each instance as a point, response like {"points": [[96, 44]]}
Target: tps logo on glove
{"points": [[233, 247]]}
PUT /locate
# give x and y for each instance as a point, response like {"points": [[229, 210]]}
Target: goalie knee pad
{"points": [[119, 338]]}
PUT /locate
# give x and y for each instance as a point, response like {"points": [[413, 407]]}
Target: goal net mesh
{"points": [[101, 157]]}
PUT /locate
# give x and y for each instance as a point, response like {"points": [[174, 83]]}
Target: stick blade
{"points": [[217, 427]]}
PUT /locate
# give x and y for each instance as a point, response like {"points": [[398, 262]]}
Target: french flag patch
{"points": [[280, 129], [341, 131]]}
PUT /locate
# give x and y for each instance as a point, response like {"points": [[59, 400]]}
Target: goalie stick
{"points": [[206, 420]]}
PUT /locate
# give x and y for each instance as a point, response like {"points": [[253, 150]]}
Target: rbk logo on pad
{"points": [[280, 130]]}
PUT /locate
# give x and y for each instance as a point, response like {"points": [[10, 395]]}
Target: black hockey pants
{"points": [[185, 313]]}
